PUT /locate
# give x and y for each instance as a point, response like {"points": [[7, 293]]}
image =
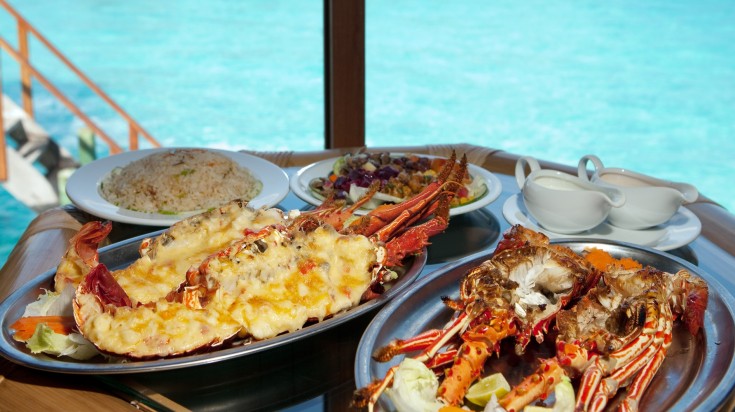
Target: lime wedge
{"points": [[481, 392]]}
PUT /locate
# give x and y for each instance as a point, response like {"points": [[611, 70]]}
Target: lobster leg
{"points": [[549, 373], [478, 344], [645, 376], [449, 190], [396, 216], [416, 237], [368, 395], [400, 346], [602, 375], [609, 386], [335, 214], [621, 364], [535, 386]]}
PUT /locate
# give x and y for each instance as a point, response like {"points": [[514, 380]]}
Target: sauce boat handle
{"points": [[582, 166]]}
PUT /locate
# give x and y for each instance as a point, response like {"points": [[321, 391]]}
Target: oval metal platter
{"points": [[122, 254], [698, 373]]}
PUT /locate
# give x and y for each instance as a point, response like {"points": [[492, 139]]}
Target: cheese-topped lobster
{"points": [[239, 272]]}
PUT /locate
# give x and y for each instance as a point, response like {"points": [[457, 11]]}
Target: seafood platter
{"points": [[228, 282], [569, 324], [400, 175]]}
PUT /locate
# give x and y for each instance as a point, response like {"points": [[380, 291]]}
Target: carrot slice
{"points": [[25, 327], [601, 259]]}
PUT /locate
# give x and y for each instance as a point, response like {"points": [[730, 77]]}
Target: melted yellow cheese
{"points": [[292, 281], [163, 265], [159, 330]]}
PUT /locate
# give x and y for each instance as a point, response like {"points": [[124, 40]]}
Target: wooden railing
{"points": [[28, 73]]}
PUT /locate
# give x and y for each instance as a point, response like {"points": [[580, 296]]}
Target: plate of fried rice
{"points": [[158, 187]]}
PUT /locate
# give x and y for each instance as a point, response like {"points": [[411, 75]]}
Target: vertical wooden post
{"points": [[25, 71], [344, 73]]}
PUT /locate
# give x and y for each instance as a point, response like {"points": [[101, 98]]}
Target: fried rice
{"points": [[179, 180]]}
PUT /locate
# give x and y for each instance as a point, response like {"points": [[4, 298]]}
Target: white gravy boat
{"points": [[649, 201], [561, 202]]}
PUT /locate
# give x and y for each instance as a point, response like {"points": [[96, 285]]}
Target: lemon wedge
{"points": [[481, 392]]}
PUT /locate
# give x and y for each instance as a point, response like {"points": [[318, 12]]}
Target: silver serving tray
{"points": [[698, 373], [122, 254]]}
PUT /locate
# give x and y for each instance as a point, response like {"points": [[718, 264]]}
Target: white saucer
{"points": [[680, 230]]}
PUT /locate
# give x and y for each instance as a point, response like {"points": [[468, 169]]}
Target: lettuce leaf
{"points": [[51, 303], [414, 388], [45, 340]]}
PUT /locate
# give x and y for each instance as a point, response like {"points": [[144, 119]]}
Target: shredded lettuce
{"points": [[51, 304], [45, 340], [565, 398], [414, 388]]}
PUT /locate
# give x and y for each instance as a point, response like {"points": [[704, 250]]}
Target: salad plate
{"points": [[698, 373], [120, 255], [300, 185], [83, 186], [679, 231]]}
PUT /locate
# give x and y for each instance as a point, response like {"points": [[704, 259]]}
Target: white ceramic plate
{"points": [[300, 185], [681, 229], [83, 187]]}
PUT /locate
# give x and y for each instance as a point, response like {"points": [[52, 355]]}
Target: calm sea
{"points": [[648, 86]]}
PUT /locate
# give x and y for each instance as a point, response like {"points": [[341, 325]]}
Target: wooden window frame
{"points": [[344, 73]]}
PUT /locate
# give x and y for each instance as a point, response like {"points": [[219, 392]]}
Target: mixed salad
{"points": [[400, 176], [47, 326]]}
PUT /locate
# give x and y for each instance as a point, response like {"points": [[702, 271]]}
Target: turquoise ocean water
{"points": [[648, 86]]}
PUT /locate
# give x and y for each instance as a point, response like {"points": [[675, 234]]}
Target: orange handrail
{"points": [[28, 72], [114, 147]]}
